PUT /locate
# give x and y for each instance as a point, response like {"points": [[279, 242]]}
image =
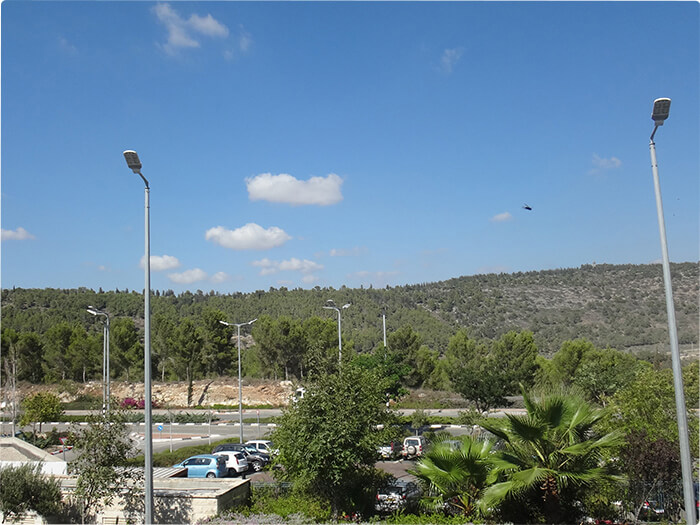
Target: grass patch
{"points": [[426, 399]]}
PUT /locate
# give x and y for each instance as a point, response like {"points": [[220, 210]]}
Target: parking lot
{"points": [[397, 468]]}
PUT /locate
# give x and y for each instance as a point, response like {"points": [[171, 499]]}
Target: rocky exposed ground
{"points": [[223, 391]]}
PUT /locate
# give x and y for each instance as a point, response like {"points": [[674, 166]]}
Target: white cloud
{"points": [[502, 217], [269, 267], [601, 164], [353, 252], [207, 26], [449, 59], [20, 234], [66, 46], [320, 191], [188, 276], [220, 277], [160, 263], [248, 237], [180, 31], [309, 279]]}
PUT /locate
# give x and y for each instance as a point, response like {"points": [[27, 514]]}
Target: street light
{"points": [[384, 326], [105, 357], [659, 115], [240, 391], [332, 306], [132, 160]]}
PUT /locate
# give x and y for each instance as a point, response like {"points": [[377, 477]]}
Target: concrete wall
{"points": [[16, 452], [177, 500]]}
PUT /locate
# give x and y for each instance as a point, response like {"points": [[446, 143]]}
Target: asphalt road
{"points": [[177, 435]]}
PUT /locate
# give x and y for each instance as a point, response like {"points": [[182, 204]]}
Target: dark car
{"points": [[397, 495], [256, 460]]}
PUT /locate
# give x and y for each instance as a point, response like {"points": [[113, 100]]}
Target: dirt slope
{"points": [[223, 391]]}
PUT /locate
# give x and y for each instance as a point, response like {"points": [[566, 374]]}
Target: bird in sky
{"points": [[527, 207]]}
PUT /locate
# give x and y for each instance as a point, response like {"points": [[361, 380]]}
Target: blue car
{"points": [[204, 466]]}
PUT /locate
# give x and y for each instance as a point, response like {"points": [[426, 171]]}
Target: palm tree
{"points": [[550, 456], [455, 473]]}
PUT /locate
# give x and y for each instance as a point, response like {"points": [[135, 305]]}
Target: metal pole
{"points": [[107, 364], [240, 391], [147, 370], [384, 327], [104, 368], [340, 342], [686, 465]]}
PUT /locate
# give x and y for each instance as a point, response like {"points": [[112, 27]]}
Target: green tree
{"points": [[473, 372], [405, 343], [601, 373], [188, 344], [267, 342], [40, 408], [648, 404], [389, 367], [217, 354], [25, 488], [162, 333], [321, 355], [56, 344], [516, 353], [328, 439], [550, 458], [126, 352], [29, 355], [567, 360], [102, 448], [455, 476], [84, 355]]}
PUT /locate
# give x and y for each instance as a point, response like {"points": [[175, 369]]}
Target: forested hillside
{"points": [[618, 306]]}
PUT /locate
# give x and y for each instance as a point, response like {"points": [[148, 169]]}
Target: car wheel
{"points": [[211, 475], [232, 472], [257, 466], [411, 450]]}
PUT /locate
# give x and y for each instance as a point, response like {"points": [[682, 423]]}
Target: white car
{"points": [[263, 445], [236, 462]]}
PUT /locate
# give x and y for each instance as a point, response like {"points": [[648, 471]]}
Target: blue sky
{"points": [[329, 144]]}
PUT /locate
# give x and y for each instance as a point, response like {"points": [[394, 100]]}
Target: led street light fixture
{"points": [[660, 111], [132, 160]]}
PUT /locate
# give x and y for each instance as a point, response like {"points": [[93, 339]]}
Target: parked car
{"points": [[397, 495], [204, 466], [390, 451], [236, 462], [413, 447], [263, 445], [256, 460]]}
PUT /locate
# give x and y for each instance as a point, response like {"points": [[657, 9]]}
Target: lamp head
{"points": [[347, 305], [224, 323], [661, 110], [91, 310], [132, 160], [251, 322]]}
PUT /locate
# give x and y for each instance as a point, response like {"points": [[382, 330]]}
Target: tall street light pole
{"points": [[332, 306], [384, 326], [105, 357], [659, 115], [240, 385], [132, 160]]}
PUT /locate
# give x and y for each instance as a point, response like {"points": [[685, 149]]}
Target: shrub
{"points": [[25, 488]]}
